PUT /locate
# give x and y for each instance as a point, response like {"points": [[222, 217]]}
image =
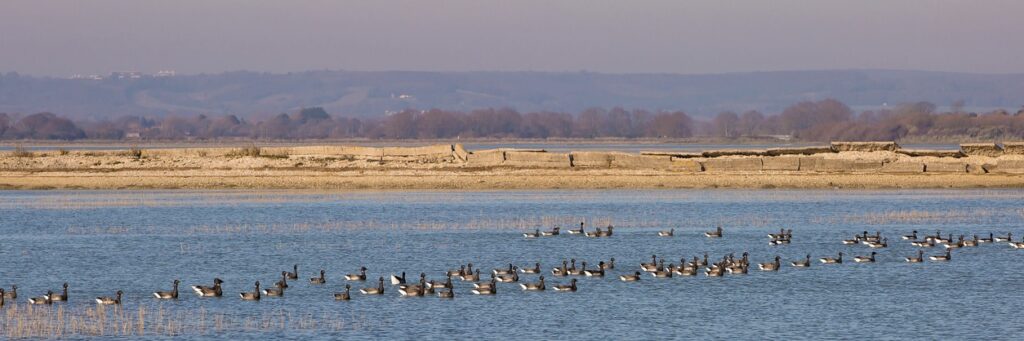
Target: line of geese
{"points": [[607, 232]]}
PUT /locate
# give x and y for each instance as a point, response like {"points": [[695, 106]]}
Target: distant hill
{"points": [[364, 94]]}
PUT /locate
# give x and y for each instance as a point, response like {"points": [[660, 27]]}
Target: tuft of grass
{"points": [[251, 150], [63, 151], [135, 152], [21, 151]]}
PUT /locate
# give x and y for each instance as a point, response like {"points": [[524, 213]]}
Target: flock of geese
{"points": [[728, 264]]}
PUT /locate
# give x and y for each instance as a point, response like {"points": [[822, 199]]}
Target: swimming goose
{"points": [[361, 276], [13, 294], [580, 231], [396, 280], [534, 270], [773, 266], [715, 271], [168, 295], [595, 273], [295, 272], [553, 232], [911, 236], [667, 233], [577, 272], [924, 243], [663, 272], [539, 286], [596, 233], [110, 300], [971, 242], [209, 291], [1009, 237], [530, 235], [472, 277], [446, 294], [283, 283], [781, 234], [1017, 245], [344, 296], [941, 240], [440, 285], [61, 297], [865, 259], [874, 238], [416, 290], [563, 287], [480, 285], [561, 271], [458, 273], [491, 289], [987, 240], [686, 270], [738, 269], [509, 278], [276, 291], [504, 271], [856, 240], [379, 290], [606, 233], [717, 233], [630, 278], [830, 260], [252, 295], [422, 282], [955, 245], [941, 258], [938, 234], [918, 259], [319, 280], [877, 245], [802, 263], [45, 299], [610, 265], [652, 266]]}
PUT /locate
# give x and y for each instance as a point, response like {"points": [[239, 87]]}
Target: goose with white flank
{"points": [[458, 273], [911, 236], [576, 272], [539, 286], [686, 271], [652, 266], [924, 243], [13, 294], [856, 240], [781, 234], [606, 233], [865, 259], [561, 271], [505, 271], [570, 287], [594, 234], [168, 295], [715, 271], [480, 285], [630, 278], [554, 232], [61, 297], [209, 291], [446, 294], [421, 282], [491, 289], [772, 266], [717, 233], [610, 265], [379, 290], [534, 270], [955, 245], [276, 291], [663, 272], [415, 290], [283, 283], [344, 295], [319, 280], [595, 273], [116, 300], [802, 263], [447, 283], [361, 276], [45, 299], [531, 235], [918, 259], [972, 242], [294, 274], [509, 278], [1017, 245], [396, 280], [251, 295], [879, 244], [990, 239], [1009, 237], [667, 233], [830, 260], [942, 258], [473, 277], [579, 231]]}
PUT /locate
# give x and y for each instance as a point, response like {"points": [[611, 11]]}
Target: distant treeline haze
{"points": [[810, 121]]}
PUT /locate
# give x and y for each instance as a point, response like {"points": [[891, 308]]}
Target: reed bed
{"points": [[915, 217]]}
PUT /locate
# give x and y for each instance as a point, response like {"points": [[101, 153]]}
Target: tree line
{"points": [[809, 121]]}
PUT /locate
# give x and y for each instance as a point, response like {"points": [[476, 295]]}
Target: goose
{"points": [[971, 242], [772, 266], [533, 234], [539, 286], [13, 294], [253, 295], [630, 278], [45, 299], [534, 270], [553, 232], [396, 280], [1009, 237], [941, 258], [779, 241], [580, 231], [319, 280], [652, 266], [667, 233], [830, 260], [417, 290], [440, 285], [484, 285], [595, 273], [738, 269], [663, 272], [781, 234], [563, 287], [918, 259], [955, 245], [911, 236], [422, 282], [938, 234], [924, 243], [277, 291], [874, 238], [168, 295], [458, 273], [504, 271], [283, 283], [596, 233], [446, 294], [344, 296], [110, 300], [361, 276], [686, 271], [1017, 245], [572, 265], [987, 240], [856, 240], [715, 271], [379, 290], [717, 233], [471, 277], [295, 272], [492, 289], [940, 240], [561, 271], [509, 278], [209, 291], [61, 297], [607, 232], [577, 272], [802, 263], [877, 245], [865, 259], [610, 265]]}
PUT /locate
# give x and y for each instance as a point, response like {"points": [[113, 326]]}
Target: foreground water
{"points": [[139, 242]]}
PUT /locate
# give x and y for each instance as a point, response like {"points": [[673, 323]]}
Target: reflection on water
{"points": [[139, 242]]}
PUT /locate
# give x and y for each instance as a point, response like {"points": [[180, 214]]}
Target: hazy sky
{"points": [[61, 38]]}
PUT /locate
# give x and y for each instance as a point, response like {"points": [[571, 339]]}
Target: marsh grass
{"points": [[21, 151], [914, 217]]}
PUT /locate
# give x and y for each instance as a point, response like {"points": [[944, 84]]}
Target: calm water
{"points": [[140, 241]]}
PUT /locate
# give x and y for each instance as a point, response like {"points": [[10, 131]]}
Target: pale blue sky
{"points": [[61, 38]]}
